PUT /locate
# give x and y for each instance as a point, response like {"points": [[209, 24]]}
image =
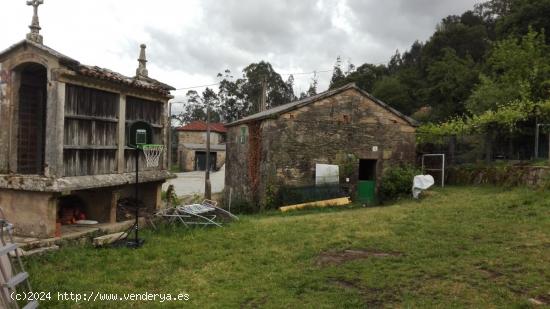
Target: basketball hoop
{"points": [[152, 154]]}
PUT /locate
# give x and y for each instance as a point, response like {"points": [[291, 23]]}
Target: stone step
{"points": [[77, 235]]}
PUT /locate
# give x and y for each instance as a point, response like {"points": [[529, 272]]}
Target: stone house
{"points": [[63, 134], [282, 146], [192, 146]]}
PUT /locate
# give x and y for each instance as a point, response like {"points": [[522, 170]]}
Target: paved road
{"points": [[193, 182]]}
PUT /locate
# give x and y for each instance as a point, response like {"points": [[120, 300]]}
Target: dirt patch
{"points": [[343, 283], [340, 257], [542, 299], [531, 246], [372, 297], [490, 273], [254, 302]]}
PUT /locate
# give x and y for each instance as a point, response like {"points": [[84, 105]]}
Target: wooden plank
{"points": [[90, 147], [83, 117], [319, 204], [121, 133]]}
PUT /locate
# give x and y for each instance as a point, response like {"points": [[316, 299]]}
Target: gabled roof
{"points": [[300, 103], [65, 60], [95, 71], [200, 126]]}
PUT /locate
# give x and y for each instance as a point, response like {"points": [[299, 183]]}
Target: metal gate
{"points": [[31, 129]]}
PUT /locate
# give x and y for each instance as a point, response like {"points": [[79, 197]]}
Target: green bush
{"points": [[397, 182]]}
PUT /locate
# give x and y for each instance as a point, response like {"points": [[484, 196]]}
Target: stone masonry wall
{"points": [[330, 131], [507, 175], [192, 137]]}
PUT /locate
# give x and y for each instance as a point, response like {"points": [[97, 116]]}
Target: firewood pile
{"points": [[126, 209]]}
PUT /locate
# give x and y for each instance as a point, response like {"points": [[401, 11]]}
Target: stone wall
{"points": [[192, 137], [508, 175], [32, 213], [330, 131], [186, 159], [35, 213]]}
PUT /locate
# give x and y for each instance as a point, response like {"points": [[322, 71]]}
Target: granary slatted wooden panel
{"points": [[90, 133], [79, 162], [150, 112], [144, 110]]}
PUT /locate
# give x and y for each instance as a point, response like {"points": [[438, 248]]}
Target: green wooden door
{"points": [[366, 191]]}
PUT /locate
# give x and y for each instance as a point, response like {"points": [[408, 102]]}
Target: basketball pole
{"points": [[136, 224]]}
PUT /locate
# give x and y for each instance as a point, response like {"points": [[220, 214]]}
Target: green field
{"points": [[459, 247]]}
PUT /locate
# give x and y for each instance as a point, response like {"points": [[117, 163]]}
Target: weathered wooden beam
{"points": [[60, 121], [91, 147], [96, 118], [121, 133]]}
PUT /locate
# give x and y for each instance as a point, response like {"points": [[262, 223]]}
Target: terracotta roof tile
{"points": [[201, 126], [108, 75], [97, 72]]}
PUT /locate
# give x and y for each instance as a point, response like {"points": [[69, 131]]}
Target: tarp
{"points": [[420, 183], [327, 174]]}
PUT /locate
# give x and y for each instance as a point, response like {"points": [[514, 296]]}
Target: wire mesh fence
{"points": [[288, 195], [492, 147]]}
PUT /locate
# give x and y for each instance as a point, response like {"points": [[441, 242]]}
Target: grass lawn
{"points": [[459, 247]]}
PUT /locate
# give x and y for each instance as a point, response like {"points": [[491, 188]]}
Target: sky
{"points": [[190, 41]]}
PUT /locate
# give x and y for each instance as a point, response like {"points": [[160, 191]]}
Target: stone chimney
{"points": [[142, 68]]}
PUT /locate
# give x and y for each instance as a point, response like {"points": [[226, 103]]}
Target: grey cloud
{"points": [[400, 22], [296, 34]]}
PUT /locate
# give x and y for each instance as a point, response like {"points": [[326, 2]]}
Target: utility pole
{"points": [[536, 138], [263, 98], [207, 184], [169, 122]]}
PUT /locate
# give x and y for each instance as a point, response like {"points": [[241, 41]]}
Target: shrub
{"points": [[397, 181]]}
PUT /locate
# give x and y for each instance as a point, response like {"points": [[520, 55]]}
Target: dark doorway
{"points": [[31, 119], [367, 169], [366, 186], [200, 160]]}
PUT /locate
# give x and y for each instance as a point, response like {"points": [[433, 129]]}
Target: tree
{"points": [[515, 69], [520, 15], [466, 34], [450, 81], [278, 92], [393, 92], [195, 107], [366, 75], [233, 105], [338, 76], [241, 97], [313, 86]]}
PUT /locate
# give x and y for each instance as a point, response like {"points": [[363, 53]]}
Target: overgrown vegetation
{"points": [[460, 247], [514, 90], [396, 182]]}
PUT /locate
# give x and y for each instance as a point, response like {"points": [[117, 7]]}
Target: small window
{"points": [[244, 135]]}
